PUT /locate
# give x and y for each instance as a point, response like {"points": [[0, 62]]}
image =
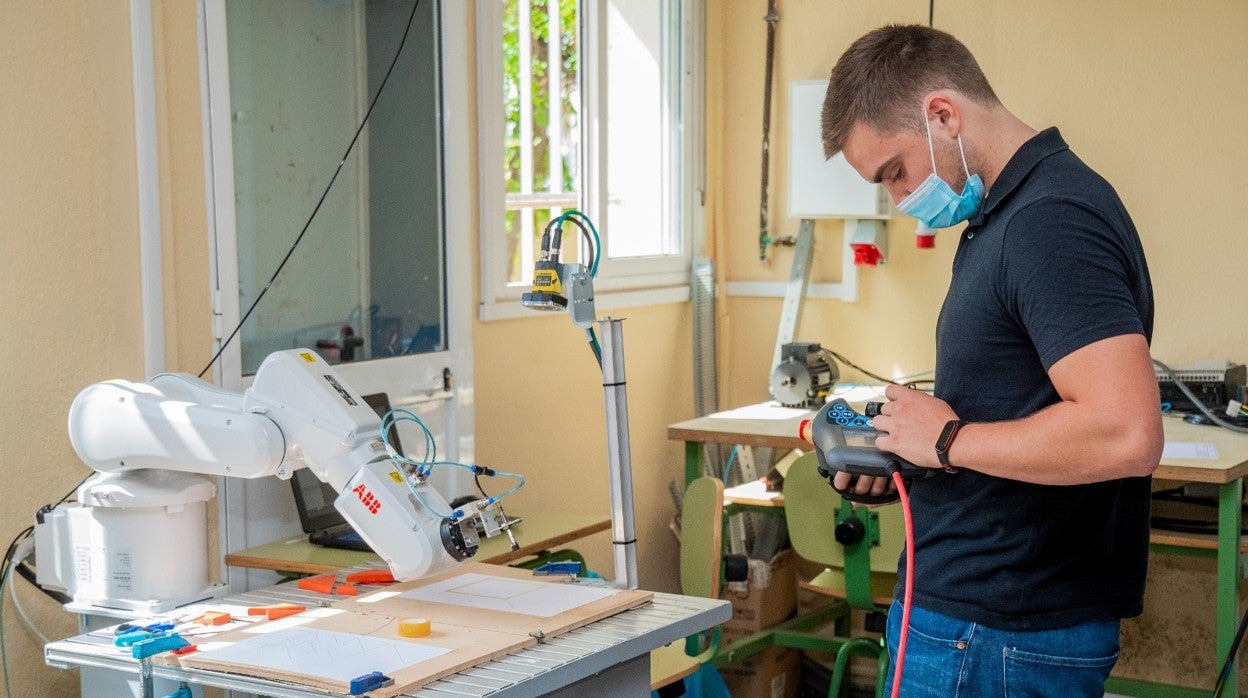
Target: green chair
{"points": [[858, 546], [701, 559]]}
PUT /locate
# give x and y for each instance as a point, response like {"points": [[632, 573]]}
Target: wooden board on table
{"points": [[397, 600], [320, 652], [325, 648]]}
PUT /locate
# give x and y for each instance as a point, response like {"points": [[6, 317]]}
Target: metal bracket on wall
{"points": [[795, 292]]}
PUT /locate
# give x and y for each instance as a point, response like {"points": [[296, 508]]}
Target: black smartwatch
{"points": [[947, 435]]}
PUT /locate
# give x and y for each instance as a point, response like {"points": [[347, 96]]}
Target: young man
{"points": [[1031, 543]]}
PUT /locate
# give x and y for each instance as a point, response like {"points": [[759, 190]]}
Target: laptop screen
{"points": [[315, 499]]}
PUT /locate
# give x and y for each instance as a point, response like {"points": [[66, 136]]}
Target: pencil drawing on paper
{"points": [[494, 593]]}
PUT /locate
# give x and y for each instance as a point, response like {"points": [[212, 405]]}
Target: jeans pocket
{"points": [[1034, 675], [935, 652]]}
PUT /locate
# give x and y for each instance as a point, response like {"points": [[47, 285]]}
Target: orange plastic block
{"points": [[278, 611], [323, 583], [345, 590], [370, 577], [275, 613], [213, 618]]}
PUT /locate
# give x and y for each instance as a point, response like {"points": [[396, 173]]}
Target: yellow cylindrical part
{"points": [[415, 627]]}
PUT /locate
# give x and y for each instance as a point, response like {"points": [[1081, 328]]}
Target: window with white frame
{"points": [[586, 104], [287, 85]]}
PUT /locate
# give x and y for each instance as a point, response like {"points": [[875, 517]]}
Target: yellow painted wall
{"points": [[1150, 93], [68, 265], [69, 252]]}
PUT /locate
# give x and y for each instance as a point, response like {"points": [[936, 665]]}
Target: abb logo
{"points": [[367, 499]]}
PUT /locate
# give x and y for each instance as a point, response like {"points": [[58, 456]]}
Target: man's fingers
{"points": [[840, 480]]}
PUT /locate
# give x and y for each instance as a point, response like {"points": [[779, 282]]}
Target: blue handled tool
{"points": [[156, 645], [369, 682], [136, 636], [554, 568], [150, 627]]}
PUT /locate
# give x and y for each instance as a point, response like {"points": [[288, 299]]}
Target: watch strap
{"points": [[943, 444]]}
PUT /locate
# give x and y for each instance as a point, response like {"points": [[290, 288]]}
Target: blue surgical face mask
{"points": [[934, 202]]}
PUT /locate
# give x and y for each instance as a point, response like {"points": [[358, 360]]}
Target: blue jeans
{"points": [[947, 657]]}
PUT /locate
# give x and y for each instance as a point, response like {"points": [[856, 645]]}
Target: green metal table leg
{"points": [[882, 670], [1230, 496], [693, 461], [860, 646]]}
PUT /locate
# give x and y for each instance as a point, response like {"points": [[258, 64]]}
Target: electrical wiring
{"points": [[858, 368], [556, 226], [594, 345], [732, 455], [316, 209], [4, 578], [74, 489], [1196, 401], [388, 422], [31, 575], [4, 655], [23, 551], [576, 217], [1230, 657], [424, 468], [909, 589], [481, 470]]}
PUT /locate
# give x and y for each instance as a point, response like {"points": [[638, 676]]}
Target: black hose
{"points": [[1230, 657]]}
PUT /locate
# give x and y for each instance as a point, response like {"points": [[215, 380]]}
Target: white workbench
{"points": [[610, 657]]}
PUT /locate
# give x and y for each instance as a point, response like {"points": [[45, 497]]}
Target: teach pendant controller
{"points": [[844, 441]]}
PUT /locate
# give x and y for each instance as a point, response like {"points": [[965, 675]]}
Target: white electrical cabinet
{"points": [[818, 187]]}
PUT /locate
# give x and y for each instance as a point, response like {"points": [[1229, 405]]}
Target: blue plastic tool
{"points": [[136, 636], [150, 627], [551, 568], [156, 645], [369, 682]]}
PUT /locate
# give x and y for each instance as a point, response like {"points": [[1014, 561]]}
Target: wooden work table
{"points": [[539, 531], [769, 425]]}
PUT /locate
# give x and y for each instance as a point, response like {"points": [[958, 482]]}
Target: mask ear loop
{"points": [[931, 149], [962, 152]]}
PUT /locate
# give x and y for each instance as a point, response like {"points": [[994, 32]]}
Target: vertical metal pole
{"points": [[619, 461]]}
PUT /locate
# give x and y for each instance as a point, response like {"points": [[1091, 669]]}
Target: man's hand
{"points": [[913, 421], [874, 486]]}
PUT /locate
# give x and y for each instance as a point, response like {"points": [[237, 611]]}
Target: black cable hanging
{"points": [[351, 146]]}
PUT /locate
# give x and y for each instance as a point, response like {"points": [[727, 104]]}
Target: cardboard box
{"points": [[766, 601], [772, 673]]}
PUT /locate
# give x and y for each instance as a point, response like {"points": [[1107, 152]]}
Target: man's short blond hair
{"points": [[882, 77]]}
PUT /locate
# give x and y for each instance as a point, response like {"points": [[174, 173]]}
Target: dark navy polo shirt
{"points": [[1051, 264]]}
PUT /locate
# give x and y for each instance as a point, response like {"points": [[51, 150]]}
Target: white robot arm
{"points": [[298, 413]]}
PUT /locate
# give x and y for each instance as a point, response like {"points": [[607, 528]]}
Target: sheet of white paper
{"points": [[291, 621], [378, 596], [511, 595], [324, 653], [1190, 449], [756, 489]]}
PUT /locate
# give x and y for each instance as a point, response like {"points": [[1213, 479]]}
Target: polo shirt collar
{"points": [[1039, 147]]}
